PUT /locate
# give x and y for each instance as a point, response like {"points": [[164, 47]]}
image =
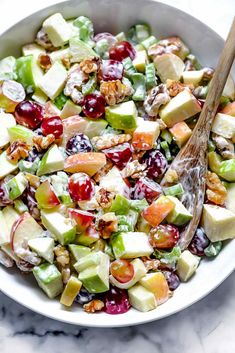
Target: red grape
{"points": [[94, 106], [156, 164], [29, 114], [172, 280], [116, 301], [52, 125], [146, 188], [111, 70], [199, 242], [122, 270], [164, 236], [81, 187], [119, 155], [121, 51], [78, 143]]}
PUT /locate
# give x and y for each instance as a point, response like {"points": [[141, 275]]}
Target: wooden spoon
{"points": [[191, 162]]}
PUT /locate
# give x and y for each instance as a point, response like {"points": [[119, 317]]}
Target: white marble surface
{"points": [[207, 326]]}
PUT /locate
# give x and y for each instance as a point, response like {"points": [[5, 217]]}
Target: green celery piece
{"points": [[224, 101], [128, 67], [60, 101], [139, 33], [168, 257], [20, 206], [213, 249], [86, 29], [89, 86], [211, 146], [120, 205], [29, 167], [150, 74], [166, 135], [164, 145], [139, 86], [148, 42], [175, 190], [138, 205], [127, 223]]}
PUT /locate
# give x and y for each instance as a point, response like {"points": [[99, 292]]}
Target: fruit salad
{"points": [[89, 125]]}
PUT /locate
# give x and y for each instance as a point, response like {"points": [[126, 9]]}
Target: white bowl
{"points": [[115, 16]]}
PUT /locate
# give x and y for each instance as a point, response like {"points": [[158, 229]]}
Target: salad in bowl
{"points": [[89, 125]]}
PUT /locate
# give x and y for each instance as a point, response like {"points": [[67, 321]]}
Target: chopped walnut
{"points": [[115, 91], [207, 73], [165, 46], [18, 150], [150, 264], [171, 176], [45, 61], [109, 140], [66, 61], [62, 256], [43, 40], [104, 198], [93, 306], [107, 224], [132, 169], [33, 180], [103, 171], [76, 77], [158, 96], [89, 66], [66, 273], [28, 256], [216, 192], [43, 142], [225, 146], [175, 87]]}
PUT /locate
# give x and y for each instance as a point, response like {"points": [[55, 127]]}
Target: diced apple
{"points": [[145, 134], [24, 229], [71, 126], [6, 121], [88, 237], [57, 29], [58, 55], [4, 234], [52, 161], [224, 125], [179, 215], [80, 50], [44, 247], [230, 198], [6, 166], [214, 161], [180, 108], [71, 290], [88, 163], [227, 170], [16, 185], [70, 109], [122, 116], [141, 298], [169, 66], [45, 196], [229, 89], [130, 245], [20, 132], [181, 133], [218, 223], [158, 210], [187, 265], [10, 216], [83, 219], [229, 109], [49, 279], [193, 77], [156, 283], [139, 271], [114, 182], [53, 81], [51, 110], [140, 60], [33, 49]]}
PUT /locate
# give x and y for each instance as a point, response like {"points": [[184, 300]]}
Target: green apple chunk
{"points": [[180, 108], [179, 215], [58, 55], [193, 77], [131, 245], [20, 132], [94, 128], [218, 223], [214, 161], [10, 215], [16, 186], [70, 292], [227, 170], [44, 247], [4, 234], [229, 89], [230, 198], [6, 166], [70, 109], [49, 279], [169, 67], [88, 236], [62, 228], [92, 259], [57, 29], [78, 251], [33, 49], [113, 182], [52, 161], [187, 265], [122, 116], [96, 278], [140, 61], [52, 83], [79, 50], [141, 298], [120, 205], [6, 122], [45, 196], [224, 125], [139, 272], [28, 72]]}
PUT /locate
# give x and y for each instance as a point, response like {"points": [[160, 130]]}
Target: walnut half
{"points": [[107, 224], [93, 306], [18, 150]]}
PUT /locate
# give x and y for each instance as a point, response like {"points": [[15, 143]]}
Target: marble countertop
{"points": [[207, 326]]}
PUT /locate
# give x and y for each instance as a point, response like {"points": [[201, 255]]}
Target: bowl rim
{"points": [[119, 322]]}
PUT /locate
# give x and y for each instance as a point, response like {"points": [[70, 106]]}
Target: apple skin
{"points": [[34, 230], [45, 196], [229, 109], [82, 218]]}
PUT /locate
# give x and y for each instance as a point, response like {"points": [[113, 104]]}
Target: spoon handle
{"points": [[218, 82]]}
